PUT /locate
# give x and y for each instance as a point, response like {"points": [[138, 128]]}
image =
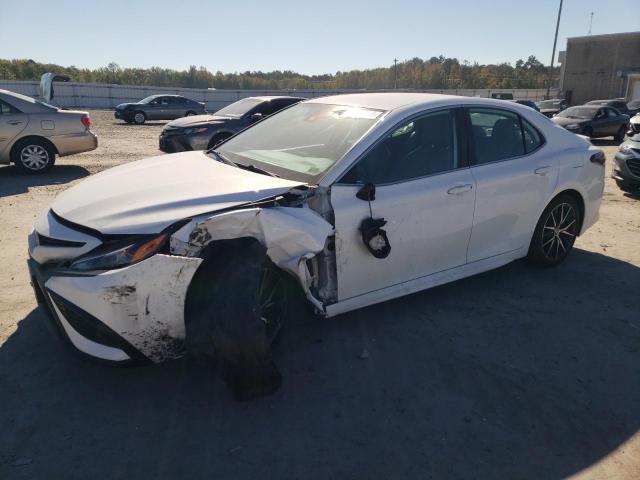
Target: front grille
{"points": [[634, 166], [55, 242]]}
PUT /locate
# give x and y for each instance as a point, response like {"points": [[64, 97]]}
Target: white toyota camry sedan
{"points": [[349, 200]]}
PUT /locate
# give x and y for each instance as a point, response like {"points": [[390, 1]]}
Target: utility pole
{"points": [[553, 55], [395, 70], [590, 23]]}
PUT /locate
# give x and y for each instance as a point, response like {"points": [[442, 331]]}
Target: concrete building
{"points": [[601, 67]]}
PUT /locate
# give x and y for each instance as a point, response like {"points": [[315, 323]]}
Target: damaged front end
{"points": [[298, 238], [135, 310]]}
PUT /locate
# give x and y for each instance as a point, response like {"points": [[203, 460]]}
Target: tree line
{"points": [[433, 73]]}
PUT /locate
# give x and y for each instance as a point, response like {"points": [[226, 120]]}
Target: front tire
{"points": [[34, 156], [234, 310], [588, 132], [555, 232], [627, 187], [216, 139], [139, 117]]}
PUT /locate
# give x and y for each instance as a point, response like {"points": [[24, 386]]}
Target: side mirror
{"points": [[255, 117], [367, 192]]}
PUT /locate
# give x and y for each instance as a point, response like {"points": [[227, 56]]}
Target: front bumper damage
{"points": [[133, 314]]}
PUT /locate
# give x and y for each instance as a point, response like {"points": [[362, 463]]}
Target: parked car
{"points": [[619, 104], [350, 200], [32, 132], [552, 107], [626, 165], [205, 131], [528, 103], [634, 107], [158, 107], [502, 96], [634, 125], [593, 121]]}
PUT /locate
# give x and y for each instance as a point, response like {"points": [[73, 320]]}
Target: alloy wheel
{"points": [[139, 118], [559, 231], [34, 157]]}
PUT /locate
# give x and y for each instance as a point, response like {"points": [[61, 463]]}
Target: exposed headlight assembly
{"points": [[120, 254]]}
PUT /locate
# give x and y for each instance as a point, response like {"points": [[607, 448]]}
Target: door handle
{"points": [[460, 189], [542, 170], [15, 122]]}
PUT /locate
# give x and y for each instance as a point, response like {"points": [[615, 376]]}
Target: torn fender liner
{"points": [[287, 233], [144, 303]]}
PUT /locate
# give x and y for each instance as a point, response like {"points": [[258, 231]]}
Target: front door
{"points": [[514, 177], [425, 193], [12, 122]]}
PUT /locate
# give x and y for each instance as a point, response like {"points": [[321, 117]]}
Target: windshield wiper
{"points": [[251, 167]]}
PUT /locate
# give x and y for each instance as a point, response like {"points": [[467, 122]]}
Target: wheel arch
{"points": [[26, 138], [577, 196], [227, 132]]}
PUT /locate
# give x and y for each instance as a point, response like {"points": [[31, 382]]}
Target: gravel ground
{"points": [[515, 373]]}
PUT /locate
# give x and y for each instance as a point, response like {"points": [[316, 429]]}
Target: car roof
{"points": [[267, 98], [389, 101]]}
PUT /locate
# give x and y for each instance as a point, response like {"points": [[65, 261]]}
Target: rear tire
{"points": [[619, 136], [555, 232], [34, 156], [234, 310], [139, 117], [190, 113]]}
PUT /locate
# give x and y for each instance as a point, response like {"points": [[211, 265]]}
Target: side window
{"points": [[612, 112], [420, 147], [532, 137], [497, 135], [6, 109]]}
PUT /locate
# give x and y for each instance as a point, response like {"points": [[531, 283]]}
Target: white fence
{"points": [[100, 95]]}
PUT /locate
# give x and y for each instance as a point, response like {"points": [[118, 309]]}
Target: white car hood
{"points": [[149, 195]]}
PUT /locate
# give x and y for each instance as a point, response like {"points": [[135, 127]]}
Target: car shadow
{"points": [[516, 373], [13, 181]]}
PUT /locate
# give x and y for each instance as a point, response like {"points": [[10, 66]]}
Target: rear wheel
{"points": [[619, 136], [190, 113], [555, 232], [139, 117], [34, 156], [234, 311]]}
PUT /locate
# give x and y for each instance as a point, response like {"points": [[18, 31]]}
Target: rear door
{"points": [[12, 122], [514, 176]]}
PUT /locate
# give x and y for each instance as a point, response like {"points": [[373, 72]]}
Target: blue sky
{"points": [[308, 37]]}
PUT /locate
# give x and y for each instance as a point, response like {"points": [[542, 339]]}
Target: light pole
{"points": [[395, 73], [553, 55]]}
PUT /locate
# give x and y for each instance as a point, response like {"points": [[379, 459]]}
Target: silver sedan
{"points": [[32, 132]]}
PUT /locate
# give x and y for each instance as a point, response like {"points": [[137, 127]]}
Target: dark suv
{"points": [[205, 131], [158, 107]]}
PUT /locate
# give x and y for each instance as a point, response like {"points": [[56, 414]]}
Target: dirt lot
{"points": [[516, 373]]}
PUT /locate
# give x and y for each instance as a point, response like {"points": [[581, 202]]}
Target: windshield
{"points": [[578, 112], [549, 104], [239, 108], [633, 104], [301, 142]]}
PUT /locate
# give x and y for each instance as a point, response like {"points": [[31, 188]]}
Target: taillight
{"points": [[598, 158], [86, 121]]}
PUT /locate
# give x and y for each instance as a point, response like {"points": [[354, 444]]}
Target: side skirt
{"points": [[423, 283]]}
